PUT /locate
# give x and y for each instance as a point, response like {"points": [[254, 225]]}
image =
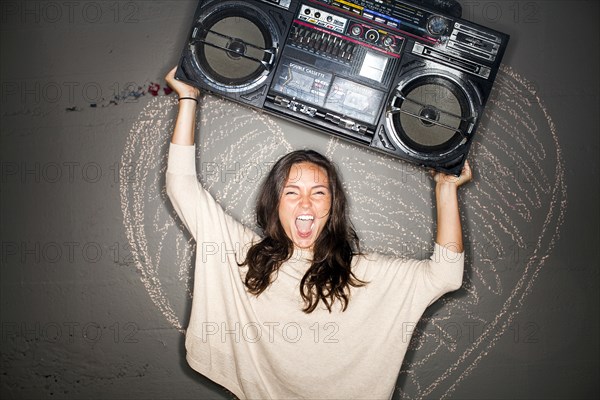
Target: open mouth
{"points": [[304, 225]]}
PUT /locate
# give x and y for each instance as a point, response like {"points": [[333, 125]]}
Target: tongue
{"points": [[304, 226]]}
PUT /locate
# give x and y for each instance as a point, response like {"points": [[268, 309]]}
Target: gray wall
{"points": [[95, 268]]}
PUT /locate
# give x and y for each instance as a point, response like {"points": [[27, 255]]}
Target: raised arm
{"points": [[449, 230], [182, 184], [183, 133], [201, 214]]}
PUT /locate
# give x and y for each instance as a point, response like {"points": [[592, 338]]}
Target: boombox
{"points": [[400, 77]]}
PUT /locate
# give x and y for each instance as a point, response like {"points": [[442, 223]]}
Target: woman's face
{"points": [[305, 204]]}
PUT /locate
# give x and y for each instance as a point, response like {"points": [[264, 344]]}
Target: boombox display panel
{"points": [[396, 76]]}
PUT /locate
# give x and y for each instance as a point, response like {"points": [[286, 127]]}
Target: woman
{"points": [[299, 312]]}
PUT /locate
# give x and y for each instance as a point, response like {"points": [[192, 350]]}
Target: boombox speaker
{"points": [[233, 49], [409, 79]]}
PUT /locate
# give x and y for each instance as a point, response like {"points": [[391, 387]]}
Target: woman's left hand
{"points": [[466, 175]]}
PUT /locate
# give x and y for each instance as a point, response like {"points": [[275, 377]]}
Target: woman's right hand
{"points": [[181, 88]]}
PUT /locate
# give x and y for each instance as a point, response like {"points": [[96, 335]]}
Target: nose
{"points": [[305, 201]]}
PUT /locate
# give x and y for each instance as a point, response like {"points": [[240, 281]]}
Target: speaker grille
{"points": [[234, 46], [430, 115]]}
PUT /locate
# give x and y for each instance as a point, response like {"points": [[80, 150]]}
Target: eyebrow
{"points": [[312, 187]]}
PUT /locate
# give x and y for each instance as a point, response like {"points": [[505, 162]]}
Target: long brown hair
{"points": [[330, 276]]}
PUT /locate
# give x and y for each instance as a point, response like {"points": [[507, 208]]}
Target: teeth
{"points": [[306, 217]]}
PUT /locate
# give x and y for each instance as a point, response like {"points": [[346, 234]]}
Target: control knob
{"points": [[372, 35], [355, 30], [437, 25]]}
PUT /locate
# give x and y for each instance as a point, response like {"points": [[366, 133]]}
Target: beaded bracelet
{"points": [[188, 98]]}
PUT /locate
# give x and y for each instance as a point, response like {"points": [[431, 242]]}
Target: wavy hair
{"points": [[330, 276]]}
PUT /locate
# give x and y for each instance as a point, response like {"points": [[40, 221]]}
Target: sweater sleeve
{"points": [[444, 270], [422, 281], [200, 213]]}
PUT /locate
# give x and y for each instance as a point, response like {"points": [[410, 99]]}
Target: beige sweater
{"points": [[266, 347]]}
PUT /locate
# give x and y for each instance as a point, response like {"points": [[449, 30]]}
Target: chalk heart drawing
{"points": [[512, 213]]}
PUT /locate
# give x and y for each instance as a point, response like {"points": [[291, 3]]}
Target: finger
{"points": [[466, 173], [468, 170], [171, 74], [170, 77]]}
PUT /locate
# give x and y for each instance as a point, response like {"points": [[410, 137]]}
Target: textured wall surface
{"points": [[95, 274]]}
